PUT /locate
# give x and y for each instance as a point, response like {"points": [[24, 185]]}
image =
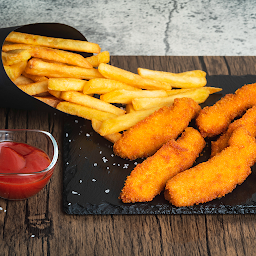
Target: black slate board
{"points": [[93, 176]]}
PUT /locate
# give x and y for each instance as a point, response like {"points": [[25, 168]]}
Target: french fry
{"points": [[198, 94], [15, 70], [56, 94], [66, 84], [124, 122], [104, 85], [130, 78], [35, 78], [59, 43], [42, 68], [177, 91], [102, 57], [22, 80], [129, 108], [50, 100], [85, 112], [15, 56], [52, 54], [190, 79], [88, 101], [34, 88], [111, 137], [125, 97]]}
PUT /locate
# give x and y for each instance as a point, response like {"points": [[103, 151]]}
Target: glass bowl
{"points": [[23, 184]]}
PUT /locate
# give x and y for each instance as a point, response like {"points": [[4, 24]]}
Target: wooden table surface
{"points": [[38, 226]]}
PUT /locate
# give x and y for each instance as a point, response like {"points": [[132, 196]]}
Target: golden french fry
{"points": [[198, 94], [85, 112], [130, 78], [177, 91], [15, 56], [42, 68], [124, 122], [56, 94], [66, 84], [52, 54], [111, 137], [190, 79], [15, 70], [213, 89], [125, 97], [22, 80], [88, 101], [103, 85], [129, 108], [102, 57], [59, 43], [35, 78], [50, 100], [34, 88]]}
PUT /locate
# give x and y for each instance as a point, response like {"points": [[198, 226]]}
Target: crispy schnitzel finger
{"points": [[215, 119], [248, 120], [149, 178], [216, 177], [148, 135]]}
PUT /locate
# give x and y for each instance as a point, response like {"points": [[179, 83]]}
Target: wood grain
{"points": [[38, 226]]}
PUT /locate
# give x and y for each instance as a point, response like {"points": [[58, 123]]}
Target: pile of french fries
{"points": [[112, 98]]}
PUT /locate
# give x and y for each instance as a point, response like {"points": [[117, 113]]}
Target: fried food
{"points": [[130, 78], [216, 177], [148, 135], [52, 42], [189, 79], [49, 69], [215, 119], [248, 120], [148, 179]]}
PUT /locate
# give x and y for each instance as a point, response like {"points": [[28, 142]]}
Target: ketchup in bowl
{"points": [[24, 169]]}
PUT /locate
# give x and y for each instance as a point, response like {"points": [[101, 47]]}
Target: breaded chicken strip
{"points": [[148, 135], [248, 120], [148, 179], [216, 177], [215, 119]]}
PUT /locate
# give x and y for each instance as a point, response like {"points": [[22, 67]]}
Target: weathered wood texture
{"points": [[38, 226]]}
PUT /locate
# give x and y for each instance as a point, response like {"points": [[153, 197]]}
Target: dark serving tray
{"points": [[93, 176]]}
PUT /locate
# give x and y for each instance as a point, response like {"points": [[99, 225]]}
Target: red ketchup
{"points": [[19, 167]]}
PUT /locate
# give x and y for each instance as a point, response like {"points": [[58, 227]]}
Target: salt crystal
{"points": [[104, 159], [75, 193]]}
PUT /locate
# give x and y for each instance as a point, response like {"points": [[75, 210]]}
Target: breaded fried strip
{"points": [[248, 120], [149, 178], [216, 177], [215, 119], [148, 135]]}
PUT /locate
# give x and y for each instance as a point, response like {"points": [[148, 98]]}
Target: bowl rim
{"points": [[55, 151]]}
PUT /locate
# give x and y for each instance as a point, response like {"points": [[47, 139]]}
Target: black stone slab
{"points": [[94, 176]]}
